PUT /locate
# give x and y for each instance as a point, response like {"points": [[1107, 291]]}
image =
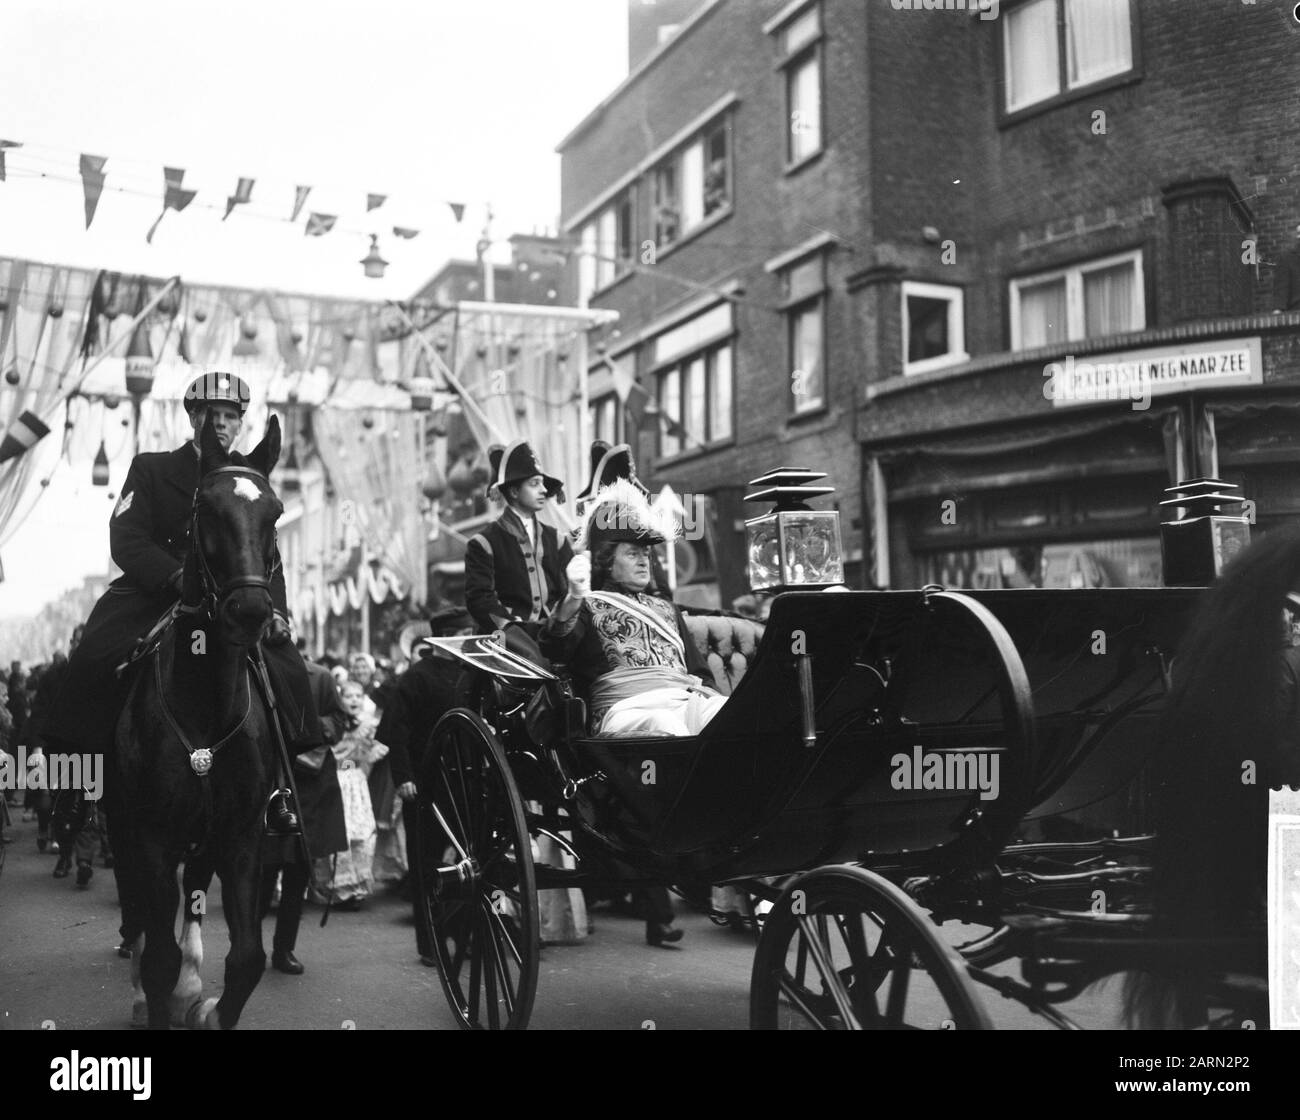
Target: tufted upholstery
{"points": [[726, 643]]}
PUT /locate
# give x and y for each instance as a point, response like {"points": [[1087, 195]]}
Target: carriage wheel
{"points": [[477, 890], [844, 949]]}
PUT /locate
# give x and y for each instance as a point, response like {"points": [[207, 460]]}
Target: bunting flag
{"points": [[22, 436], [375, 201], [404, 233], [243, 193], [457, 209], [318, 225], [299, 197], [3, 145], [92, 183], [174, 197]]}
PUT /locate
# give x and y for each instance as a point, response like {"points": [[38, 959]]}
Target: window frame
{"points": [[621, 205], [678, 367], [1065, 92], [807, 51], [1075, 311], [955, 294], [610, 400], [669, 169]]}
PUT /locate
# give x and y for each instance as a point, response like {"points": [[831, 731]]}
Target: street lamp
{"points": [[372, 262]]}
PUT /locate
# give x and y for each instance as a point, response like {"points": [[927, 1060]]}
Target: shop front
{"points": [[1048, 470]]}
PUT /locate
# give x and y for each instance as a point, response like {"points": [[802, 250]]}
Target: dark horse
{"points": [[1225, 737], [194, 751]]}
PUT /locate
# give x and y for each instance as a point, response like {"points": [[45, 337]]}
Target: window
{"points": [[605, 418], [695, 401], [803, 286], [800, 40], [934, 329], [692, 184], [1102, 297], [1053, 47], [606, 246]]}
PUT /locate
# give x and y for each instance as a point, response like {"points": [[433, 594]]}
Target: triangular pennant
{"points": [[299, 197], [457, 209], [318, 225], [243, 193], [3, 145], [92, 183], [22, 436], [175, 197], [404, 233], [375, 201]]}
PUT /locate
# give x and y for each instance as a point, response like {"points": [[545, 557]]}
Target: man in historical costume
{"points": [[514, 567], [432, 686], [149, 540], [608, 465]]}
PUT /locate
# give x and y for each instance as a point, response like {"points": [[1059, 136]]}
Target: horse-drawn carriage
{"points": [[975, 755]]}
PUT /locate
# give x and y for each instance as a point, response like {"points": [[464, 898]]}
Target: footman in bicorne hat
{"points": [[514, 568]]}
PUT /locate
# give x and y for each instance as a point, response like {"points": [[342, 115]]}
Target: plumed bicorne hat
{"points": [[517, 463], [619, 512], [608, 465]]}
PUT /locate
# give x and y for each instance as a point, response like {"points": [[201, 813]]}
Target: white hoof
{"points": [[189, 984], [202, 1015]]}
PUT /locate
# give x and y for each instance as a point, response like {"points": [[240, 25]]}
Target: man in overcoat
{"points": [[149, 540], [514, 567]]}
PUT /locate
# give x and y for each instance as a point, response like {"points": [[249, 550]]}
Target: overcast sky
{"points": [[426, 101]]}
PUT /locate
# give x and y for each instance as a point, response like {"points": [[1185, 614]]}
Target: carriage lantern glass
{"points": [[793, 546]]}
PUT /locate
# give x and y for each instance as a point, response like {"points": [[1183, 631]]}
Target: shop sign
{"points": [[1135, 376]]}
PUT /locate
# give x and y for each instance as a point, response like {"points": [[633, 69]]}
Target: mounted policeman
{"points": [[149, 540]]}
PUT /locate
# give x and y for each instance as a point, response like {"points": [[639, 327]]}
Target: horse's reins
{"points": [[214, 595]]}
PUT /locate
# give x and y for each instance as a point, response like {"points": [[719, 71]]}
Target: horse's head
{"points": [[233, 534]]}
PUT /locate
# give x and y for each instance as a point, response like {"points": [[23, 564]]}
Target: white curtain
{"points": [[1108, 301], [693, 185], [1043, 314], [1031, 60], [1097, 39]]}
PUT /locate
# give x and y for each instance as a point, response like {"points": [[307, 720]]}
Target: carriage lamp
{"points": [[793, 546], [139, 363], [1198, 538]]}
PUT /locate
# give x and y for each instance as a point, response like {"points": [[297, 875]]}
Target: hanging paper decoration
{"points": [[174, 197], [375, 201], [92, 183], [404, 233], [3, 145], [22, 436], [318, 225], [299, 197], [457, 209], [243, 193]]}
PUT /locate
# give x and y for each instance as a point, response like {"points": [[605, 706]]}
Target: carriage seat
{"points": [[727, 644]]}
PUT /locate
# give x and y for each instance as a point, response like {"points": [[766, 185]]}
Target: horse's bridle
{"points": [[215, 593]]}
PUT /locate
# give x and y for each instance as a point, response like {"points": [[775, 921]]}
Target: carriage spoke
{"points": [[451, 801], [855, 941], [814, 934], [489, 969], [795, 994], [499, 961], [506, 935]]}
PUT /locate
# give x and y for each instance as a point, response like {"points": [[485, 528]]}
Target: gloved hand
{"points": [[578, 574], [280, 630]]}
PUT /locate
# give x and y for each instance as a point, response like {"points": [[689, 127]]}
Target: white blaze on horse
{"points": [[195, 751]]}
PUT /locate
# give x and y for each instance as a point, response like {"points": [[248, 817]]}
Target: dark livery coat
{"points": [[506, 581], [425, 692], [148, 536]]}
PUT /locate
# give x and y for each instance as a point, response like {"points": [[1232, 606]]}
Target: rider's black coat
{"points": [[149, 539]]}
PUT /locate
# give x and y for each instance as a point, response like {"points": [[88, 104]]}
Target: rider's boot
{"points": [[281, 819]]}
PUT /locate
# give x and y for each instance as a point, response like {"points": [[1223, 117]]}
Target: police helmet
{"points": [[217, 387]]}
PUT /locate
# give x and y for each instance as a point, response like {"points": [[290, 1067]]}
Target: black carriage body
{"points": [[893, 675]]}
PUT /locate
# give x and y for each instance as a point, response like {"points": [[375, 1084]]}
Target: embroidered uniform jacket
{"points": [[149, 532], [601, 637], [505, 580]]}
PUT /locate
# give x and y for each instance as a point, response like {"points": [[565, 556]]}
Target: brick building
{"points": [[876, 241]]}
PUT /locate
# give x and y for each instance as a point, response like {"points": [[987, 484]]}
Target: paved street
{"points": [[57, 962]]}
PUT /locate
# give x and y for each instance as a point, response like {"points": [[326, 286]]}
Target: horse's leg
{"points": [[189, 985], [126, 863], [240, 872], [160, 963]]}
